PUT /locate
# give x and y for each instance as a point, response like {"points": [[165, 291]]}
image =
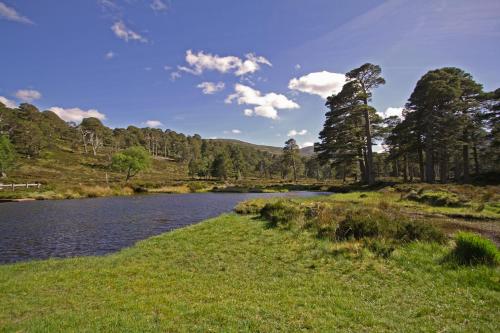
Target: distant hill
{"points": [[306, 151]]}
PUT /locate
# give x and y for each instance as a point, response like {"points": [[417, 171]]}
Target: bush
{"points": [[472, 249], [250, 207], [380, 247], [435, 198], [387, 224], [322, 218], [281, 213], [358, 225], [409, 231]]}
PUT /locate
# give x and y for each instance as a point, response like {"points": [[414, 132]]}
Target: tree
{"points": [[442, 112], [351, 124], [290, 156], [221, 166], [131, 161], [7, 155], [367, 78]]}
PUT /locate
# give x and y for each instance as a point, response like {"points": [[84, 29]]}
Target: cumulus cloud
{"points": [[8, 103], [123, 32], [110, 55], [235, 131], [76, 114], [200, 62], [11, 14], [391, 111], [28, 95], [209, 88], [322, 83], [266, 105], [153, 123], [158, 5], [295, 132]]}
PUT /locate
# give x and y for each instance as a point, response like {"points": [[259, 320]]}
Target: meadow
{"points": [[239, 273]]}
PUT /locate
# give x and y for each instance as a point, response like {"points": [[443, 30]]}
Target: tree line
{"points": [[26, 133], [448, 123]]}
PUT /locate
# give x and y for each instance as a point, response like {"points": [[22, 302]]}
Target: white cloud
{"points": [[153, 123], [201, 61], [167, 68], [210, 88], [322, 83], [158, 5], [76, 114], [110, 55], [11, 14], [297, 67], [175, 75], [148, 69], [389, 112], [266, 105], [8, 103], [121, 31], [27, 95], [306, 144], [236, 131], [295, 132]]}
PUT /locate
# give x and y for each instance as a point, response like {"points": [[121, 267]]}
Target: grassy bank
{"points": [[233, 273]]}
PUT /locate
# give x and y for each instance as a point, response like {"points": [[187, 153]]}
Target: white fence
{"points": [[14, 186]]}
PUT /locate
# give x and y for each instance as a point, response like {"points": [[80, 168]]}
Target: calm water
{"points": [[68, 228]]}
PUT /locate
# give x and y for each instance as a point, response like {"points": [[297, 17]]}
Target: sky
{"points": [[257, 71]]}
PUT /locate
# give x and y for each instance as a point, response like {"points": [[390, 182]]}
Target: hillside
{"points": [[306, 151]]}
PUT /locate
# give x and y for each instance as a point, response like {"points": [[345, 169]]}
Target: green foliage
{"points": [[250, 207], [7, 154], [435, 198], [472, 249], [375, 223], [281, 213], [131, 161]]}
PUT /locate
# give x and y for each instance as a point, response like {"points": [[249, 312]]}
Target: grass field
{"points": [[234, 274]]}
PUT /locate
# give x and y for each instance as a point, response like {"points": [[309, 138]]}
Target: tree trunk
{"points": [[362, 168], [421, 164], [429, 164], [443, 166], [294, 170], [476, 160], [405, 168], [369, 152], [465, 158]]}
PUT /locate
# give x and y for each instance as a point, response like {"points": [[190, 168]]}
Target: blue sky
{"points": [[251, 70]]}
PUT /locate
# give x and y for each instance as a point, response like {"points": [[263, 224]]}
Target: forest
{"points": [[448, 131]]}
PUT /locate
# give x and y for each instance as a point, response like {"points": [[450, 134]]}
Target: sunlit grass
{"points": [[233, 274]]}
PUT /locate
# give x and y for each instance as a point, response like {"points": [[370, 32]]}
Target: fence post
{"points": [[13, 187]]}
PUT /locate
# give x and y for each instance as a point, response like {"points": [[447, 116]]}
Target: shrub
{"points": [[250, 207], [281, 213], [388, 224], [322, 218], [358, 225], [409, 231], [435, 198], [380, 247], [472, 249]]}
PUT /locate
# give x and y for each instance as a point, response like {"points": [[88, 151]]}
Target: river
{"points": [[68, 228]]}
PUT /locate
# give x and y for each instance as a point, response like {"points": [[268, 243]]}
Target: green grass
{"points": [[233, 274]]}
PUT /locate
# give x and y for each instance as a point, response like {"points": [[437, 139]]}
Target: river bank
{"points": [[232, 273]]}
